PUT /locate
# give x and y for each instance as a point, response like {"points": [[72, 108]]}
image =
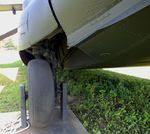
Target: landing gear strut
{"points": [[45, 116]]}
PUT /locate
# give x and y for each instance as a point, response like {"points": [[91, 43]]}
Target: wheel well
{"points": [[56, 46]]}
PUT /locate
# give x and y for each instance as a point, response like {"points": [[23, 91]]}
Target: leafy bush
{"points": [[111, 103]]}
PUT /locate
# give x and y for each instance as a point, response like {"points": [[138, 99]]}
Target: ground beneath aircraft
{"points": [[11, 116], [9, 122]]}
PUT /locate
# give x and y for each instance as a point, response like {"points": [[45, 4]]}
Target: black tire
{"points": [[41, 93]]}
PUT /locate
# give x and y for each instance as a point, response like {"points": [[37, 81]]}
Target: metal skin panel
{"points": [[37, 22], [74, 14], [126, 43], [82, 18], [25, 3], [96, 37]]}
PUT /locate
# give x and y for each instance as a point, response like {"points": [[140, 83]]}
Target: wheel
{"points": [[41, 93]]}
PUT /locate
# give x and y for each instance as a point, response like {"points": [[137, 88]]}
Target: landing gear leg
{"points": [[45, 116]]}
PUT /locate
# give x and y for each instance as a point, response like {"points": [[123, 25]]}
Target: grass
{"points": [[11, 65], [9, 97], [110, 103]]}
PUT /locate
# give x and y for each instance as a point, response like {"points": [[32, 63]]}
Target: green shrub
{"points": [[111, 103]]}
